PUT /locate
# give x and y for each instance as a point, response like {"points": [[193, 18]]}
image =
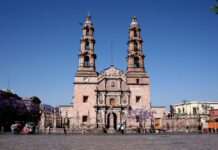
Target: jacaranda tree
{"points": [[142, 115]]}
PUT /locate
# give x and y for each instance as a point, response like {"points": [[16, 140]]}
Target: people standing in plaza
{"points": [[122, 129], [104, 129], [25, 129], [2, 129], [48, 130], [65, 130]]}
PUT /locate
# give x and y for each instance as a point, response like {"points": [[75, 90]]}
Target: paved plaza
{"points": [[109, 142]]}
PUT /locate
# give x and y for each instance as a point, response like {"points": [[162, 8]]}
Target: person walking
{"points": [[122, 129]]}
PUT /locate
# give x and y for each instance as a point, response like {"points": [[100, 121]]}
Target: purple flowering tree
{"points": [[141, 115]]}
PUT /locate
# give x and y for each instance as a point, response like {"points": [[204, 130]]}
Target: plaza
{"points": [[108, 141]]}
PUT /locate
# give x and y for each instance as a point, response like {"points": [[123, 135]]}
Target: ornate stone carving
{"points": [[124, 101], [112, 72], [100, 101]]}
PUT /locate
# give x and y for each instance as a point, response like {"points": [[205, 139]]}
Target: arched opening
{"points": [[112, 120], [87, 32], [135, 33], [86, 61], [137, 81], [135, 45], [136, 62], [87, 45]]}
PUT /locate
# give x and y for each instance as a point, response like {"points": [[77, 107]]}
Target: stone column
{"points": [[77, 117], [55, 119], [54, 122], [103, 122]]}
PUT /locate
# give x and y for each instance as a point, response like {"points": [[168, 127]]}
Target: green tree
{"points": [[215, 7]]}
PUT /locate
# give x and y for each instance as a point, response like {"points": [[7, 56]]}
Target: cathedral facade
{"points": [[105, 98]]}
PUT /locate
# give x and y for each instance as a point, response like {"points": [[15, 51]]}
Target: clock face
{"points": [[86, 79]]}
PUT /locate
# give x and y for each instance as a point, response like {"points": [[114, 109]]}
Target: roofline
{"points": [[196, 102], [70, 105], [158, 107]]}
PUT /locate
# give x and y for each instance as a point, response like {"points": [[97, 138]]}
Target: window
{"points": [[135, 33], [87, 45], [112, 101], [86, 62], [85, 99], [138, 98], [137, 81], [137, 118], [179, 111], [87, 32], [136, 62], [135, 45], [194, 110], [84, 118]]}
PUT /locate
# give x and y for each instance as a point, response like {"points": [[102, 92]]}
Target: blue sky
{"points": [[40, 39]]}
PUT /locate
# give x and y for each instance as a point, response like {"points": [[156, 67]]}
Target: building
{"points": [[212, 123], [49, 117], [67, 114], [194, 109], [213, 115], [159, 112], [105, 98]]}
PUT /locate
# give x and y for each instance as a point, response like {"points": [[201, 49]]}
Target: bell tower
{"points": [[136, 76], [86, 78], [86, 54], [135, 57]]}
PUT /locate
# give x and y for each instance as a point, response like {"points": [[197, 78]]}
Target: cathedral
{"points": [[104, 99]]}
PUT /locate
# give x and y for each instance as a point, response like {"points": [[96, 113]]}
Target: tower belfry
{"points": [[135, 56], [136, 73], [86, 54]]}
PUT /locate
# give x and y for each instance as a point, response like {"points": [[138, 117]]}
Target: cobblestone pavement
{"points": [[109, 142]]}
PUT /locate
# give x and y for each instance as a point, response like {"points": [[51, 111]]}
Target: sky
{"points": [[40, 40]]}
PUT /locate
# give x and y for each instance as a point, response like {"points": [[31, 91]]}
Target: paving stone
{"points": [[108, 142]]}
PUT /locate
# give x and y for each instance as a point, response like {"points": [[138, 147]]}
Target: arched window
{"points": [[87, 32], [136, 62], [87, 45], [135, 33], [86, 61], [135, 45], [137, 81]]}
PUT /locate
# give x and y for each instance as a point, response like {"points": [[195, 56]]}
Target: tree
{"points": [[215, 7], [141, 115]]}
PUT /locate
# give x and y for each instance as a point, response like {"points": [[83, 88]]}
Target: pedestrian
{"points": [[104, 129], [2, 129], [138, 129], [25, 129], [65, 130], [122, 129], [48, 129]]}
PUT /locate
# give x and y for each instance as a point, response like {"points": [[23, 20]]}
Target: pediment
{"points": [[112, 72]]}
